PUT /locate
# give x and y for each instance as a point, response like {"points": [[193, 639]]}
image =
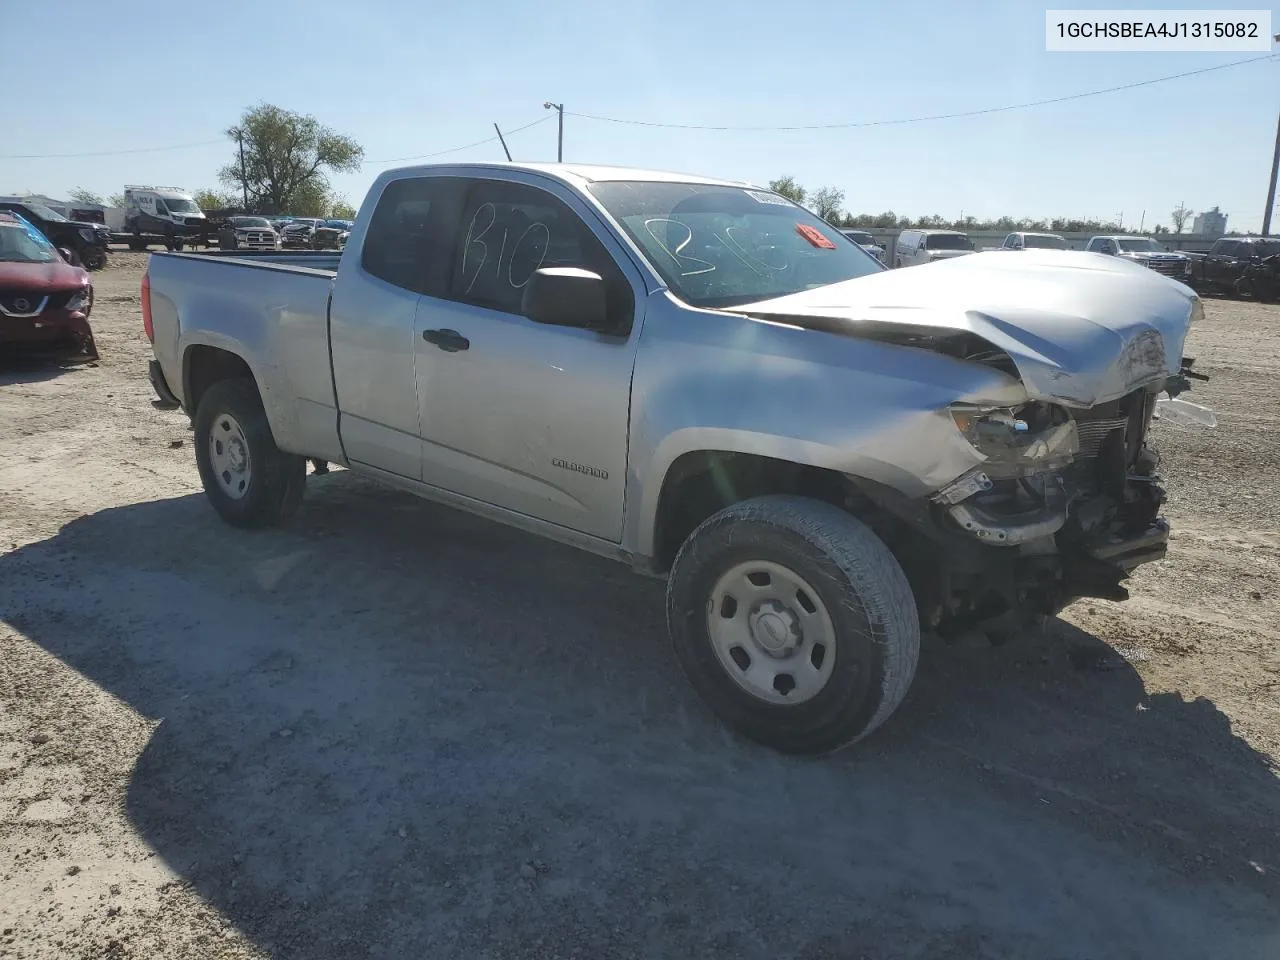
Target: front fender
{"points": [[725, 383]]}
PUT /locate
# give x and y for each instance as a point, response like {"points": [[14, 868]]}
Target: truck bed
{"points": [[271, 308], [311, 261]]}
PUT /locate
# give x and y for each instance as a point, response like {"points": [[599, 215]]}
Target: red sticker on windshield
{"points": [[814, 236]]}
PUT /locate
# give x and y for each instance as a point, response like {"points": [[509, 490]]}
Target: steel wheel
{"points": [[229, 456], [771, 632]]}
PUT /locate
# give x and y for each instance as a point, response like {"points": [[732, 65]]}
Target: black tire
{"points": [[859, 583], [275, 480], [94, 258]]}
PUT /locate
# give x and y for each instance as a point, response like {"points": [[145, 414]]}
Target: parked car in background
{"points": [[925, 246], [1261, 279], [331, 235], [297, 233], [1035, 241], [1145, 251], [1222, 269], [88, 241], [248, 233], [867, 242], [44, 299], [684, 374]]}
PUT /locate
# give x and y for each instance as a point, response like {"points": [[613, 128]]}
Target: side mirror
{"points": [[69, 256], [566, 297]]}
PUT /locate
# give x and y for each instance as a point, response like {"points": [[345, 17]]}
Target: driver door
{"points": [[529, 417]]}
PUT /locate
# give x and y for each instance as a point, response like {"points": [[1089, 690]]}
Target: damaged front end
{"points": [[1065, 504]]}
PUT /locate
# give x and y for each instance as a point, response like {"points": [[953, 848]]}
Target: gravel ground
{"points": [[392, 730]]}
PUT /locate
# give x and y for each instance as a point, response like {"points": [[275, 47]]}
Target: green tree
{"points": [[826, 202], [341, 209], [309, 200], [116, 200], [787, 187], [286, 157], [81, 195], [212, 199]]}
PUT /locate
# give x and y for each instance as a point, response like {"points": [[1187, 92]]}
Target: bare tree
{"points": [[1180, 216], [826, 203]]}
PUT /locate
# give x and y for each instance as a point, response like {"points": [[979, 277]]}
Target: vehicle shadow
{"points": [[19, 370], [394, 730]]}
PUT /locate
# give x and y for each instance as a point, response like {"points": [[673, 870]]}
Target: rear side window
{"points": [[509, 230], [402, 239]]}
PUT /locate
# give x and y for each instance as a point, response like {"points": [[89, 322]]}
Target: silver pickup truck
{"points": [[821, 456]]}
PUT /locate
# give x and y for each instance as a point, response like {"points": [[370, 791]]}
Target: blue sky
{"points": [[411, 80]]}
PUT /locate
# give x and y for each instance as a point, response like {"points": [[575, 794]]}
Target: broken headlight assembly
{"points": [[1015, 496], [1021, 442]]}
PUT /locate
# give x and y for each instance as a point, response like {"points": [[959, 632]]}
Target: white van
{"points": [[925, 246], [167, 211]]}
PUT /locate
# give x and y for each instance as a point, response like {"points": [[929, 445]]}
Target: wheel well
{"points": [[203, 366], [701, 483]]}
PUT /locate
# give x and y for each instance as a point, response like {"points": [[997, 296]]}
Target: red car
{"points": [[44, 300]]}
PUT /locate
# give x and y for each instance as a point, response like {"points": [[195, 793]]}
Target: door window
{"points": [[510, 230], [403, 246]]}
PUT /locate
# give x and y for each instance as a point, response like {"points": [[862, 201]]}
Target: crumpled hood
{"points": [[1081, 328], [42, 278]]}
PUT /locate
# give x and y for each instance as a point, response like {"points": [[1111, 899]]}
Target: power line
{"points": [[208, 143], [939, 116], [107, 153], [465, 146]]}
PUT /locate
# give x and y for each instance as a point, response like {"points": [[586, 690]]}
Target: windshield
{"points": [[1260, 248], [1044, 243], [947, 241], [22, 244], [45, 213], [338, 224], [858, 237], [1138, 245], [178, 205], [719, 246], [256, 222]]}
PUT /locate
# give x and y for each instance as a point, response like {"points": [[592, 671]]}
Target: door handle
{"points": [[450, 341]]}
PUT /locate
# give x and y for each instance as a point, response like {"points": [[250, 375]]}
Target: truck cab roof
{"points": [[572, 173]]}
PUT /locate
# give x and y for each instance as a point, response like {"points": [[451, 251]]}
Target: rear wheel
{"points": [[794, 622], [247, 478]]}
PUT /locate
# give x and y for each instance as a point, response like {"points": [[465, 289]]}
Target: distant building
{"points": [[1212, 223]]}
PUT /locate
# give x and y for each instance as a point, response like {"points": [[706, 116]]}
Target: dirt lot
{"points": [[395, 731]]}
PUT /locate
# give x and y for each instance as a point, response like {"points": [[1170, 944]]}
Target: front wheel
{"points": [[247, 478], [794, 622], [94, 258]]}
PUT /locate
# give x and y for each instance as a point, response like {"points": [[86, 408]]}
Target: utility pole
{"points": [[1271, 187], [559, 109], [244, 182], [502, 140]]}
